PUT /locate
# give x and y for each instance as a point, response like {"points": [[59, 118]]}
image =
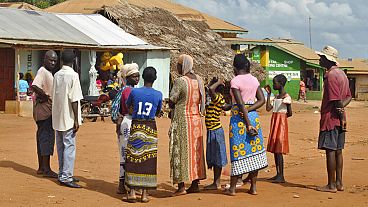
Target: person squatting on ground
{"points": [[187, 101], [141, 150], [66, 117], [216, 149], [247, 152], [278, 141], [336, 96], [130, 73], [42, 114]]}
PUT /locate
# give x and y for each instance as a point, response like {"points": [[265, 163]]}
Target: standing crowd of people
{"points": [[57, 112]]}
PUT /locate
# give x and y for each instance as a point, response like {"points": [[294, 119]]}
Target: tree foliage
{"points": [[39, 3]]}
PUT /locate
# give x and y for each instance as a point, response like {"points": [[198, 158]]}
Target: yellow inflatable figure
{"points": [[105, 62], [117, 61]]}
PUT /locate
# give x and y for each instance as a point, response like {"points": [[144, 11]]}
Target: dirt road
{"points": [[97, 166]]}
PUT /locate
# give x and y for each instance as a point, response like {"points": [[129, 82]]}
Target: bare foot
{"points": [[50, 174], [192, 189], [273, 178], [252, 192], [213, 186], [229, 192], [279, 180], [340, 187], [144, 200], [179, 192], [326, 189], [39, 172]]}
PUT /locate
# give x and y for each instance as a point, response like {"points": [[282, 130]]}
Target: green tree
{"points": [[39, 3]]}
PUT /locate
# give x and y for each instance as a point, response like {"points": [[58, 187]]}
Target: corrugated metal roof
{"points": [[36, 28], [100, 29], [36, 25]]}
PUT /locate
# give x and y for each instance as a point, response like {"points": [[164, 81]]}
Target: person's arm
{"points": [[212, 88], [346, 101], [289, 110], [159, 112], [75, 112], [243, 110], [40, 93], [269, 106], [227, 107], [129, 103], [260, 100]]}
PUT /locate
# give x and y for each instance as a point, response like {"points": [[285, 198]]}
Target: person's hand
{"points": [[221, 82], [252, 131], [76, 126], [344, 125], [268, 89], [118, 132], [160, 114]]}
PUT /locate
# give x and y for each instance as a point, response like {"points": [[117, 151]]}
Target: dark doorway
{"points": [[352, 86], [7, 70]]}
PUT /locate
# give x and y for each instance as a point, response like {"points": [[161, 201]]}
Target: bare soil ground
{"points": [[97, 166]]}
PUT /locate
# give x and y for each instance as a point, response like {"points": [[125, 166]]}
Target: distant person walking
{"points": [[336, 96], [66, 117], [302, 91], [22, 88], [42, 87]]}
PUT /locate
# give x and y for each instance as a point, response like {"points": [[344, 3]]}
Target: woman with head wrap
{"points": [[187, 99], [129, 72]]}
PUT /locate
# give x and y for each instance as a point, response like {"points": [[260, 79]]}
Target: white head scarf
{"points": [[128, 70], [186, 61]]}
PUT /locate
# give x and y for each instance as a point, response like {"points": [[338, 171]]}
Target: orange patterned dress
{"points": [[187, 161]]}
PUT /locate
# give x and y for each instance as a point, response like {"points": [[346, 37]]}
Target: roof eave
{"points": [[230, 31]]}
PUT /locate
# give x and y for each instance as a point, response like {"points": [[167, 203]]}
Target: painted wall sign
{"points": [[288, 74]]}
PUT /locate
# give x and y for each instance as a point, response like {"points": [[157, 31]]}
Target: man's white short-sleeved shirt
{"points": [[66, 90]]}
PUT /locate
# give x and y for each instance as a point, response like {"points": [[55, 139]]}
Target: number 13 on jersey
{"points": [[144, 110]]}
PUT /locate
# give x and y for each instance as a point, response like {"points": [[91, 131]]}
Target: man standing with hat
{"points": [[336, 96]]}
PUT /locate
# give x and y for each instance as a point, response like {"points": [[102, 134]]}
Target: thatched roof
{"points": [[212, 56]]}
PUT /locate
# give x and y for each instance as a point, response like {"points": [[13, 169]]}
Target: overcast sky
{"points": [[342, 24]]}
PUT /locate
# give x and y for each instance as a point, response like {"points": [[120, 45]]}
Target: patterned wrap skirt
{"points": [[247, 152], [141, 155]]}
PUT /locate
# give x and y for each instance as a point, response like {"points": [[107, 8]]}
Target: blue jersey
{"points": [[23, 86], [145, 102]]}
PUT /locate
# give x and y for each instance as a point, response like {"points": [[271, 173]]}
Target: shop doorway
{"points": [[352, 86], [7, 70]]}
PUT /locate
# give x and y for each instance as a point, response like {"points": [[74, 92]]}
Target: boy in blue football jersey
{"points": [[141, 151]]}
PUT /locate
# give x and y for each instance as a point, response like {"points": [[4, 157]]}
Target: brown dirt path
{"points": [[97, 167]]}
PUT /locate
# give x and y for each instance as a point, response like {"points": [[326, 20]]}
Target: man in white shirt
{"points": [[42, 86], [66, 117]]}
